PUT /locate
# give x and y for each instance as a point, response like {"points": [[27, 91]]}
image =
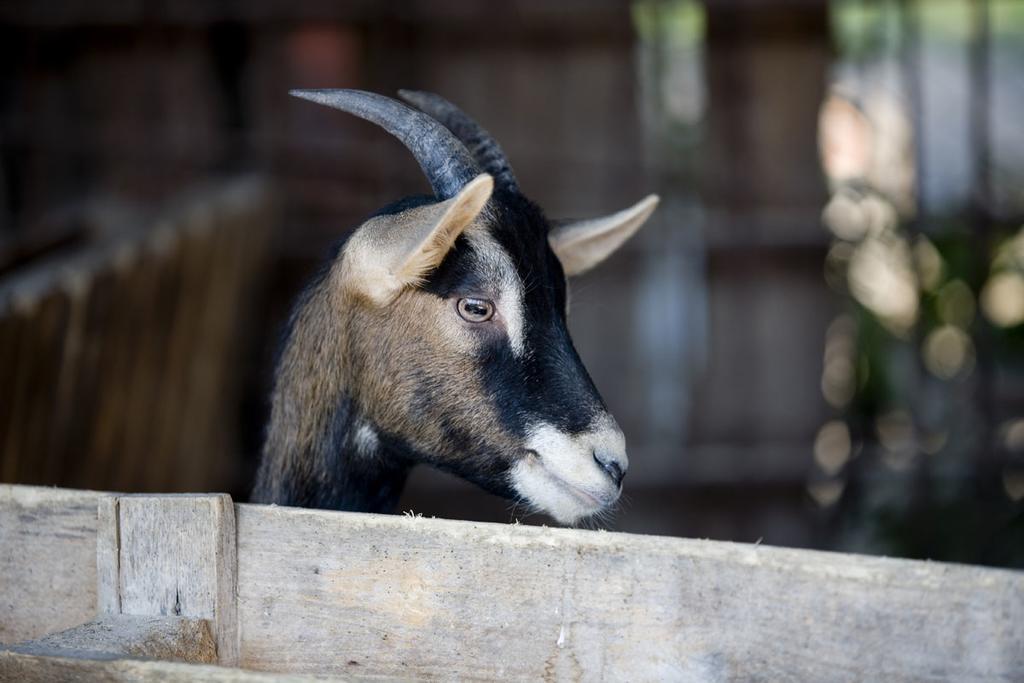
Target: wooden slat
{"points": [[136, 392], [63, 410], [87, 417], [47, 560], [49, 325], [334, 593], [15, 395], [370, 596], [165, 450], [30, 668], [171, 555], [108, 556], [175, 639], [115, 365], [149, 386], [13, 328]]}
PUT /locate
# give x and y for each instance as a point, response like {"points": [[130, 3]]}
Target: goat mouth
{"points": [[581, 495]]}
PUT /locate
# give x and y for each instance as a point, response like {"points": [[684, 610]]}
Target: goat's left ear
{"points": [[391, 252], [581, 245]]}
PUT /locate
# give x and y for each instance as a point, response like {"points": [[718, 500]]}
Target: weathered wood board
{"points": [[323, 592], [29, 668], [370, 596], [170, 555], [47, 560], [176, 639]]}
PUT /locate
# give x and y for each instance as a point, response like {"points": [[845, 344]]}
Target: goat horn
{"points": [[446, 162], [484, 148]]}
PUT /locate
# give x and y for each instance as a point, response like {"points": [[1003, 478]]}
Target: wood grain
{"points": [[108, 556], [330, 593], [121, 356], [365, 596], [29, 668], [172, 555], [47, 560], [176, 639]]}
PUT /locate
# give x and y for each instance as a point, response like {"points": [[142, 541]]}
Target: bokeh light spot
{"points": [[948, 352], [955, 304], [929, 263], [832, 446], [1012, 432], [826, 493], [881, 279], [1002, 299], [1013, 484], [838, 381]]}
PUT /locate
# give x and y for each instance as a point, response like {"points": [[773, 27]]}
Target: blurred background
{"points": [[818, 341]]}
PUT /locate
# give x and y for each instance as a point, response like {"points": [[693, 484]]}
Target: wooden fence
{"points": [[121, 354], [92, 583]]}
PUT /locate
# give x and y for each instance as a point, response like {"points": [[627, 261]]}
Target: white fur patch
{"points": [[365, 440], [501, 270], [563, 479]]}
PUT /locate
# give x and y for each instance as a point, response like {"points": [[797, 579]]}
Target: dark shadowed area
{"points": [[817, 341]]}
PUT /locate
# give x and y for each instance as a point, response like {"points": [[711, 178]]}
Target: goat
{"points": [[437, 334]]}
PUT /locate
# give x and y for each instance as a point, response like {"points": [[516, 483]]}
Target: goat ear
{"points": [[389, 253], [581, 245]]}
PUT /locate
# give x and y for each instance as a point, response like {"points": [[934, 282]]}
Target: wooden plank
{"points": [[47, 560], [176, 639], [171, 555], [61, 413], [143, 432], [89, 383], [49, 327], [331, 593], [30, 668], [16, 404], [108, 556], [362, 595]]}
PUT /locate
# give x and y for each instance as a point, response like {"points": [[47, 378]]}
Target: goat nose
{"points": [[612, 467]]}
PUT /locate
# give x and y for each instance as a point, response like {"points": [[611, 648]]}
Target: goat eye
{"points": [[475, 310]]}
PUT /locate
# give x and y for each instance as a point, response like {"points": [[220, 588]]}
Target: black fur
{"points": [[548, 383]]}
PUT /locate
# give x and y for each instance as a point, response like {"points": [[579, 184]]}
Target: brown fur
{"points": [[419, 344], [310, 379], [397, 354]]}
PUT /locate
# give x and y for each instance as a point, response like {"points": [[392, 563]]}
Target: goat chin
{"points": [[560, 474]]}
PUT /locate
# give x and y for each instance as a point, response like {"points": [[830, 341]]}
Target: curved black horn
{"points": [[446, 162], [484, 148]]}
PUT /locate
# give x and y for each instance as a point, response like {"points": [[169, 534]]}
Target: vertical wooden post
{"points": [[170, 555]]}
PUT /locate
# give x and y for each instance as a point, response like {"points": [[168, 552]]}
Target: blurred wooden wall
{"points": [[121, 353]]}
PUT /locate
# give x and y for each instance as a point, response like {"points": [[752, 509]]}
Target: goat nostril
{"points": [[611, 468]]}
